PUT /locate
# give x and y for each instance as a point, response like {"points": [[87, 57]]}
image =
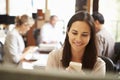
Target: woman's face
{"points": [[79, 35], [25, 28]]}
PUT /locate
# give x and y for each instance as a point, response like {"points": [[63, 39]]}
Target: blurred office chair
{"points": [[110, 67], [116, 56], [36, 34], [1, 52], [117, 51]]}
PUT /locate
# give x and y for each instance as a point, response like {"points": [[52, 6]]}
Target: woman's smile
{"points": [[78, 44]]}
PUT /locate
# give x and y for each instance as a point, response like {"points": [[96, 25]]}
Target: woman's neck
{"points": [[77, 55]]}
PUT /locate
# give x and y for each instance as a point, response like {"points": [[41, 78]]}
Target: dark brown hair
{"points": [[90, 54], [98, 16]]}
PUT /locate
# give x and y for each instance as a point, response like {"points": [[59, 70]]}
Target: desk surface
{"points": [[40, 62], [46, 48], [40, 55]]}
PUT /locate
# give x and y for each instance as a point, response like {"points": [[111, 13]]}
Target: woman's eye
{"points": [[85, 35]]}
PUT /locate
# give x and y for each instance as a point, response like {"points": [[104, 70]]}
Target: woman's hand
{"points": [[30, 49], [75, 67]]}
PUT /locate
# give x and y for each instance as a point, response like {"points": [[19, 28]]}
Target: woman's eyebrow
{"points": [[74, 30], [85, 32], [82, 32]]}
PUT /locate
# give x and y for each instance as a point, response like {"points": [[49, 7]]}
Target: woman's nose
{"points": [[78, 38]]}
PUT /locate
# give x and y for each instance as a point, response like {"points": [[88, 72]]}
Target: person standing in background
{"points": [[14, 46], [105, 41], [48, 33]]}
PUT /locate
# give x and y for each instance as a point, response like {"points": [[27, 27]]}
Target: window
{"points": [[64, 9], [2, 7], [110, 10]]}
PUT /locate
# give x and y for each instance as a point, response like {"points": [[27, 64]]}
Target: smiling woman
{"points": [[79, 47], [79, 36]]}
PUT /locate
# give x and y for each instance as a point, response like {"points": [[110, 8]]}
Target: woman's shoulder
{"points": [[13, 32], [56, 52], [100, 61]]}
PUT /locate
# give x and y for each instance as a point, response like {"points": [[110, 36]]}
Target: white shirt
{"points": [[13, 47], [48, 33], [105, 43]]}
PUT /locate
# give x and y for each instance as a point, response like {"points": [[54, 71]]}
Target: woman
{"points": [[14, 47], [79, 48]]}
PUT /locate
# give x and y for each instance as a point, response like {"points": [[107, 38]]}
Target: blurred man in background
{"points": [[48, 31], [105, 41]]}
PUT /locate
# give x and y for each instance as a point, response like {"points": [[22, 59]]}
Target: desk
{"points": [[46, 48], [40, 55], [39, 63]]}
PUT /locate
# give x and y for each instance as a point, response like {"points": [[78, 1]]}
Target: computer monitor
{"points": [[5, 19]]}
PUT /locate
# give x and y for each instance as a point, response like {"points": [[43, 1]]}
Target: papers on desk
{"points": [[38, 58], [40, 62], [27, 65], [33, 56], [47, 47]]}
